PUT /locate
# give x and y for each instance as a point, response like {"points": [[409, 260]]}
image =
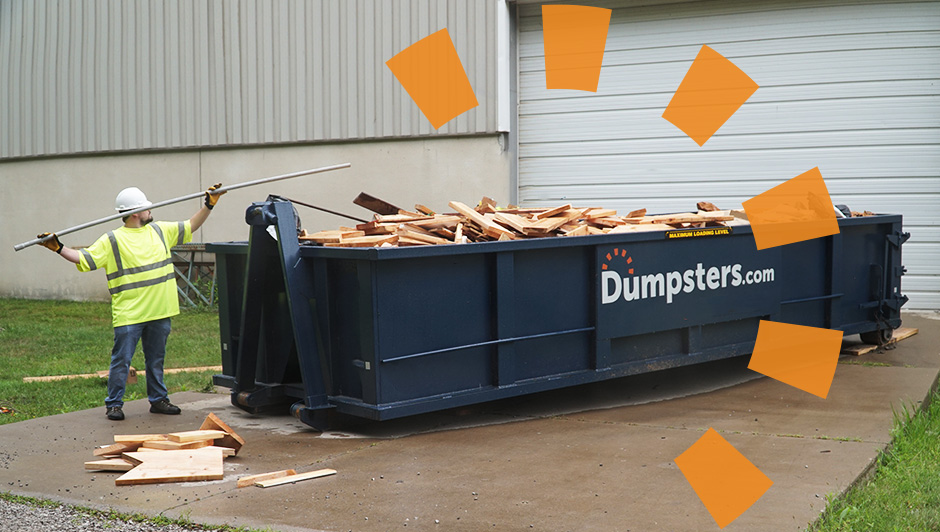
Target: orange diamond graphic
{"points": [[803, 357], [726, 482], [712, 90], [574, 41], [431, 72], [797, 210]]}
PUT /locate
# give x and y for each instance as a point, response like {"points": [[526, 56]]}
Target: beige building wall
{"points": [[58, 193]]}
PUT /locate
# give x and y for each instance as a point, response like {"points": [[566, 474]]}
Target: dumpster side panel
{"points": [[552, 292], [429, 314]]}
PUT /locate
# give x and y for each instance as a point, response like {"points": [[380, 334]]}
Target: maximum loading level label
{"points": [[693, 233]]}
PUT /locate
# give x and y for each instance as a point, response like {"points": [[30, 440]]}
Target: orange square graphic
{"points": [[712, 90], [574, 38], [726, 482], [797, 210], [803, 357], [431, 72]]}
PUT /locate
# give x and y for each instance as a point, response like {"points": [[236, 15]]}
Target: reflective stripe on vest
{"points": [[121, 272]]}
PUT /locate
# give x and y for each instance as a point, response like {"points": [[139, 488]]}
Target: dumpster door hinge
{"points": [[898, 238]]}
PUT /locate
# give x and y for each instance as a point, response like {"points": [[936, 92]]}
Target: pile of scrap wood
{"points": [[175, 457], [487, 222]]}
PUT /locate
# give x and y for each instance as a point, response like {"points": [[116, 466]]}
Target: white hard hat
{"points": [[130, 198]]}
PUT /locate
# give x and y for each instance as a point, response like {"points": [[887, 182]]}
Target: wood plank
{"points": [[581, 230], [553, 212], [514, 221], [195, 435], [374, 204], [490, 228], [231, 439], [447, 221], [643, 228], [365, 241], [600, 213], [114, 449], [423, 210], [548, 225], [173, 466], [111, 464], [639, 213], [250, 480], [226, 451], [400, 218], [290, 479], [176, 446], [138, 438], [406, 232], [335, 235]]}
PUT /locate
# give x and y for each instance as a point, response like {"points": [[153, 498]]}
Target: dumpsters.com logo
{"points": [[632, 287]]}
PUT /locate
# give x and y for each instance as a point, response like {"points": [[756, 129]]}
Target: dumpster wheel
{"points": [[879, 337]]}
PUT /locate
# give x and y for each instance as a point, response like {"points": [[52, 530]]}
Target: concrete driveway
{"points": [[596, 457]]}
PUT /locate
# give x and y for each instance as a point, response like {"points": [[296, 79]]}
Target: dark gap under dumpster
{"points": [[382, 333]]}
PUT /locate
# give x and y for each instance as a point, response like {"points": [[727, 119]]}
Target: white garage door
{"points": [[852, 89]]}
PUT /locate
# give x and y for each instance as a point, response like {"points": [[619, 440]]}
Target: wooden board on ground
{"points": [[231, 440], [173, 466], [290, 479], [175, 445], [858, 349], [111, 464], [138, 438], [195, 435], [250, 480], [115, 449]]}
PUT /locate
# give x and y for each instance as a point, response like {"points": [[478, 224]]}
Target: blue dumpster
{"points": [[382, 333]]}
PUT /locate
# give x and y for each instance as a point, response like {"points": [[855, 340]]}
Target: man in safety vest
{"points": [[137, 260]]}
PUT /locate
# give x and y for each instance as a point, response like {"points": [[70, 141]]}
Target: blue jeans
{"points": [[153, 334]]}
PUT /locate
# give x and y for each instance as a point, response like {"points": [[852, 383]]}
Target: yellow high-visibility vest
{"points": [[139, 268]]}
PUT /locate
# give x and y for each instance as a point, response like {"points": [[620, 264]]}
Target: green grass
{"points": [[113, 516], [39, 338], [903, 494]]}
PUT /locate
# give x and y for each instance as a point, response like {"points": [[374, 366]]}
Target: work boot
{"points": [[115, 413], [164, 406]]}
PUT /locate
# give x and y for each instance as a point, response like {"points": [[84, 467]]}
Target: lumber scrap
{"points": [[172, 466], [374, 204], [168, 445], [290, 479], [423, 210], [110, 464], [250, 480], [115, 449], [553, 212], [195, 435], [331, 236], [138, 439], [640, 228], [231, 439], [365, 241], [489, 227]]}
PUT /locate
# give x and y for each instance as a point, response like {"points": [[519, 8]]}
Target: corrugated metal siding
{"points": [[853, 89], [81, 76]]}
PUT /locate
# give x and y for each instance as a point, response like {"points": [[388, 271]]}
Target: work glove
{"points": [[213, 197], [53, 243]]}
